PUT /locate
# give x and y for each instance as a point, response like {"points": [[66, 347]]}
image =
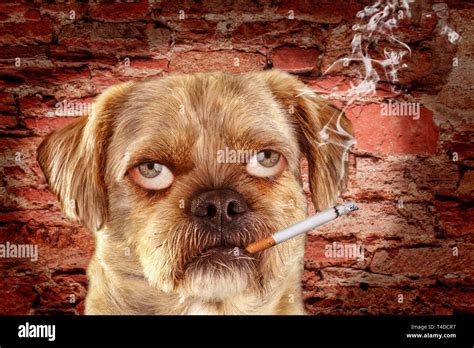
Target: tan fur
{"points": [[147, 258]]}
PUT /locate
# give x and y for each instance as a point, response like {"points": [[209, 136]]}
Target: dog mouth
{"points": [[220, 257], [221, 253], [219, 272]]}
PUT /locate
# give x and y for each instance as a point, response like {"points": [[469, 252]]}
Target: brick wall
{"points": [[412, 178]]}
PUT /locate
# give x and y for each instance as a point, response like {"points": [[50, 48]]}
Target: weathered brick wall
{"points": [[412, 178]]}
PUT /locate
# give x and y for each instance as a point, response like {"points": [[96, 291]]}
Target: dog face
{"points": [[187, 170]]}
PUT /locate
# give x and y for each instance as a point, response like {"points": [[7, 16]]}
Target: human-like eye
{"points": [[266, 163], [151, 176]]}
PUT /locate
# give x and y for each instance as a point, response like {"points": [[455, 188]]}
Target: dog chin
{"points": [[218, 274]]}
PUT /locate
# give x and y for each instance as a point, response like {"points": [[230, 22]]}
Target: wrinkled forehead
{"points": [[178, 116]]}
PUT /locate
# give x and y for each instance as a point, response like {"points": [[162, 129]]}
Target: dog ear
{"points": [[73, 161], [324, 132]]}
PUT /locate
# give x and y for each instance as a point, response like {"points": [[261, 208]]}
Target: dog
{"points": [[171, 222]]}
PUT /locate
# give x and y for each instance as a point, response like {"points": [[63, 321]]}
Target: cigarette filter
{"points": [[301, 227]]}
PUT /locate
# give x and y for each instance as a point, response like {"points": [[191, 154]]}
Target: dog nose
{"points": [[218, 208]]}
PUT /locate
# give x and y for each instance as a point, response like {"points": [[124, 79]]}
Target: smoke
{"points": [[381, 18], [453, 37], [376, 23]]}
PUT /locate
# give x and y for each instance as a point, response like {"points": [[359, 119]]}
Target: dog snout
{"points": [[219, 208]]}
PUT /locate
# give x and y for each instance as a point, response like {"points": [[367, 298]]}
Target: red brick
{"points": [[61, 56], [460, 299], [7, 103], [9, 77], [328, 84], [152, 64], [26, 198], [18, 294], [250, 31], [310, 279], [18, 157], [455, 96], [26, 33], [102, 79], [45, 125], [18, 176], [10, 53], [54, 77], [224, 6], [26, 146], [324, 11], [394, 135], [277, 33], [410, 32], [7, 121], [194, 61], [193, 30], [337, 295], [158, 37], [463, 145], [105, 38], [331, 299], [191, 7], [18, 12], [294, 59], [455, 219], [466, 186], [354, 277], [427, 261], [414, 223], [58, 293], [315, 257], [64, 249], [81, 307], [62, 239], [36, 106], [338, 45], [71, 278], [408, 179], [140, 68], [119, 12], [172, 8], [419, 65], [443, 310], [35, 217], [61, 12]]}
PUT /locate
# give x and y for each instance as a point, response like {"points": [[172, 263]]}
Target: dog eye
{"points": [[266, 163], [268, 158], [150, 170], [152, 176]]}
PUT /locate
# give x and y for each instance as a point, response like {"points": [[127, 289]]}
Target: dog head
{"points": [[187, 170]]}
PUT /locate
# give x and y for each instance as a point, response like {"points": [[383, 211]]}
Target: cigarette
{"points": [[302, 227]]}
